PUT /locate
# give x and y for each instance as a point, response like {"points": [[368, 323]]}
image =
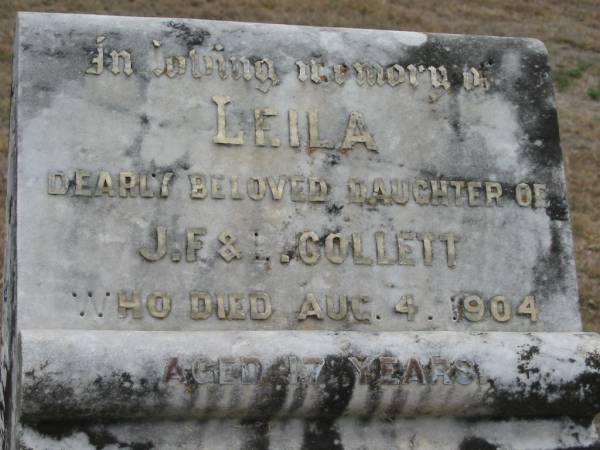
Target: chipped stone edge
{"points": [[8, 346]]}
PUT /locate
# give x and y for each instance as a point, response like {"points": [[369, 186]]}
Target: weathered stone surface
{"points": [[229, 235], [346, 433], [503, 131]]}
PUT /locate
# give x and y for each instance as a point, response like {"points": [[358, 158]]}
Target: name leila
{"points": [[356, 131]]}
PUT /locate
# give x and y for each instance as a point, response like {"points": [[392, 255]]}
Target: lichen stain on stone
{"points": [[109, 394], [557, 208], [336, 385], [321, 435], [535, 396], [476, 443], [525, 356], [592, 360], [550, 271], [270, 395], [375, 392], [256, 436], [334, 209], [190, 37], [269, 400]]}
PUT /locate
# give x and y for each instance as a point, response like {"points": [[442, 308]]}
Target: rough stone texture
{"points": [[93, 379], [345, 433]]}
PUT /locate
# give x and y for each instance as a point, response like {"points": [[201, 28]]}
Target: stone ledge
{"points": [[105, 375]]}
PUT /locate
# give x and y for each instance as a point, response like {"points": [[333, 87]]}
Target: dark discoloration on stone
{"points": [[131, 392], [557, 208], [553, 265], [336, 385], [10, 349], [256, 435], [593, 361], [184, 32], [525, 358], [321, 435], [269, 399], [334, 209], [476, 443], [333, 159], [299, 397], [534, 395], [531, 90], [396, 407]]}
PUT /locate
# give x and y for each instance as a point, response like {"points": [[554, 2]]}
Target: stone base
{"points": [[345, 433], [209, 390]]}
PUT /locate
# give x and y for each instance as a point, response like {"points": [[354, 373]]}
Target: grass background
{"points": [[570, 30]]}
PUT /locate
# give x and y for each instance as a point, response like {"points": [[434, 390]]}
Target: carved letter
{"points": [[357, 133], [128, 184], [441, 79], [317, 189], [260, 126], [342, 311], [302, 71], [309, 254], [221, 137], [265, 70], [313, 132], [196, 298], [356, 312], [294, 135], [357, 251], [125, 303], [195, 63], [175, 66], [161, 246], [310, 308], [451, 239], [193, 244], [116, 56], [395, 75], [255, 299], [198, 186], [159, 304], [316, 74], [331, 242], [81, 183], [58, 183], [427, 239], [236, 73], [98, 59], [339, 73]]}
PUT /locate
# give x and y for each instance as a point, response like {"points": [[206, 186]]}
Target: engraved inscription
{"points": [[306, 370], [223, 66]]}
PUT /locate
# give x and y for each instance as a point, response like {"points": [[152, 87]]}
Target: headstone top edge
{"points": [[532, 43]]}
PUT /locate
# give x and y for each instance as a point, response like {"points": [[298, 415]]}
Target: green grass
{"points": [[5, 56], [563, 77]]}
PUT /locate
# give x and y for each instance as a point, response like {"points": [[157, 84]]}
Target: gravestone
{"points": [[233, 235]]}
